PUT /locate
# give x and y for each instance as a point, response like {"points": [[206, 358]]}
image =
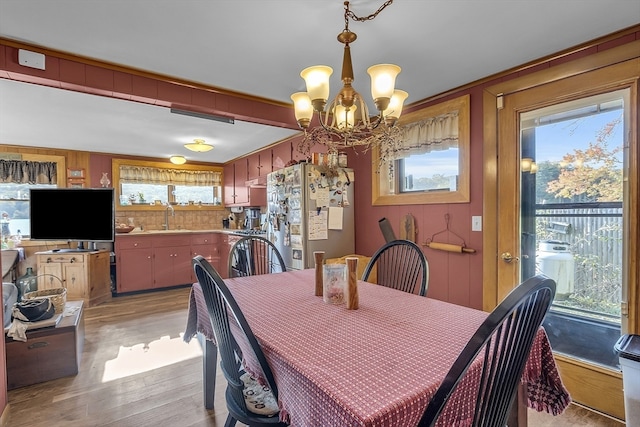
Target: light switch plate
{"points": [[476, 223]]}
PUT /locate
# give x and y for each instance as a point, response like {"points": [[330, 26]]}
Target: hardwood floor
{"points": [[137, 371]]}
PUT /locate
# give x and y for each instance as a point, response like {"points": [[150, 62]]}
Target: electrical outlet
{"points": [[476, 223]]}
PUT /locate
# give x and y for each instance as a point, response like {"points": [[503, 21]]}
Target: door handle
{"points": [[507, 257]]}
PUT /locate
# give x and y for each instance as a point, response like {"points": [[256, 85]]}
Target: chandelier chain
{"points": [[349, 14]]}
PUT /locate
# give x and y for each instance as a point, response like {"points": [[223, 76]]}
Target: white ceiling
{"points": [[258, 47]]}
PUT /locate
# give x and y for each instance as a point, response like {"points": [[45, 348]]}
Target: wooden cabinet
{"points": [[281, 155], [208, 246], [236, 192], [296, 155], [171, 260], [226, 242], [254, 166], [229, 184], [154, 261], [240, 182], [134, 263], [85, 275]]}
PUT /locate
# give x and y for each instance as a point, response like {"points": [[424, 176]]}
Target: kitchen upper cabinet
{"points": [[296, 155], [281, 155], [258, 166], [229, 184], [236, 192]]}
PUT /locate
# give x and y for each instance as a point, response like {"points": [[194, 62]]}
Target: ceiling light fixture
{"points": [[346, 123], [199, 146], [178, 160]]}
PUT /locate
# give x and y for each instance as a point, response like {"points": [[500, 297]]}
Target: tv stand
{"points": [[85, 274], [70, 250]]}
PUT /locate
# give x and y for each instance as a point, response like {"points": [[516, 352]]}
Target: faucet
{"points": [[166, 216]]}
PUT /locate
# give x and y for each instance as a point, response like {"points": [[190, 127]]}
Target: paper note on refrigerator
{"points": [[322, 197], [335, 218], [317, 225]]}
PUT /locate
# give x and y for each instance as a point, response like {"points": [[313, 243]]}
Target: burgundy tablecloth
{"points": [[375, 366]]}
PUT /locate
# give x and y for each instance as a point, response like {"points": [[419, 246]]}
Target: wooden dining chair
{"points": [[247, 400], [400, 264], [499, 349], [253, 255]]}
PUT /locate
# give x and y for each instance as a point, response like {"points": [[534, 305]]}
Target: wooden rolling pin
{"points": [[449, 247]]}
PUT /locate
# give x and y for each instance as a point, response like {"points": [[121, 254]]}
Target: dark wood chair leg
{"points": [[518, 413], [209, 365]]}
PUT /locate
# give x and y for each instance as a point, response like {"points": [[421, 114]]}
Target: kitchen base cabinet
{"points": [[85, 275], [208, 246], [227, 242], [134, 263], [145, 262], [171, 261]]}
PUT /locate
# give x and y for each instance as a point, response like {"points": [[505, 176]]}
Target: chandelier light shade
{"points": [[383, 81], [303, 108], [198, 145], [346, 121], [394, 110]]}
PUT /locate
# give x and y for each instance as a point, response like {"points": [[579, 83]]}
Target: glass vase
{"points": [[104, 181], [26, 283]]}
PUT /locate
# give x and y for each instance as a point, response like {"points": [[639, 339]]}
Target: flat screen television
{"points": [[72, 214]]}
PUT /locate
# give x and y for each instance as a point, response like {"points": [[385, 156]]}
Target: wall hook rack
{"points": [[462, 248]]}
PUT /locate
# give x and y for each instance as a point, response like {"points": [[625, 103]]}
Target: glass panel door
{"points": [[572, 222]]}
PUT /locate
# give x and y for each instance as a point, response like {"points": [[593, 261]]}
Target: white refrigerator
{"points": [[310, 208]]}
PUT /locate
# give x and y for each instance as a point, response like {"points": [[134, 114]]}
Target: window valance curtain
{"points": [[149, 175], [28, 172], [430, 134]]}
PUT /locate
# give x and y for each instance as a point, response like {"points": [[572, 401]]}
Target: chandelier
{"points": [[198, 145], [346, 122]]}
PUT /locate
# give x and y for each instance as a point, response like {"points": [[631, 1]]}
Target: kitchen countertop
{"points": [[238, 232]]}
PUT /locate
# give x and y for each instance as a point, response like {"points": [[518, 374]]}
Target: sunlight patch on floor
{"points": [[146, 357]]}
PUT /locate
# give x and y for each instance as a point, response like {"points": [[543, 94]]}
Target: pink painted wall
{"points": [[454, 277]]}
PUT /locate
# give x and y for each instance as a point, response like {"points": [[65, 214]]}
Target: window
{"points": [[442, 176], [432, 166], [19, 173], [145, 184]]}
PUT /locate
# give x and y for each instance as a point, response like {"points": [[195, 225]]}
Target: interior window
{"points": [[14, 208], [152, 184], [432, 163], [441, 175], [19, 173]]}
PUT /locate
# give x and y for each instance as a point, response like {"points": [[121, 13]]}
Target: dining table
{"points": [[377, 365]]}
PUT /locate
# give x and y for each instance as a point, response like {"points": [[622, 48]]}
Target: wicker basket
{"points": [[58, 297]]}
